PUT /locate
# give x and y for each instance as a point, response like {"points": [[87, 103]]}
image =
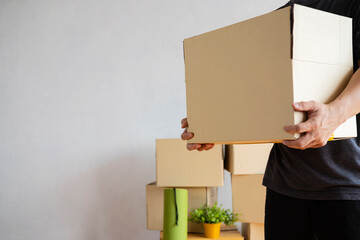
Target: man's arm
{"points": [[323, 119]]}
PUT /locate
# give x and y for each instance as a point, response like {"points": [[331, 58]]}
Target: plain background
{"points": [[86, 86]]}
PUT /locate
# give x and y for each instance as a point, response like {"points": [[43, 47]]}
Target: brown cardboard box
{"points": [[242, 159], [249, 197], [253, 231], [228, 235], [241, 80], [178, 167], [197, 196]]}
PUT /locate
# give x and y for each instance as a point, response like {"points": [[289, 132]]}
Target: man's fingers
{"points": [[183, 135], [209, 146], [184, 123], [299, 128], [314, 143], [187, 135], [193, 146], [203, 147], [302, 143], [199, 147], [316, 146], [304, 106]]}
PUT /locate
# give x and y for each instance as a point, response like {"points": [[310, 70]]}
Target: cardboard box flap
{"points": [[233, 65], [322, 37], [346, 52], [305, 89], [347, 129], [329, 76]]}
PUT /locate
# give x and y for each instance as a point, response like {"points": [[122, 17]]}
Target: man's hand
{"points": [[189, 135], [322, 121]]}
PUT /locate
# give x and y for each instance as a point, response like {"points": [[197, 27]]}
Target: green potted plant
{"points": [[212, 217]]}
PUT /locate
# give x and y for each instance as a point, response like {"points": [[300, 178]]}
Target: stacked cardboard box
{"points": [[247, 164], [253, 231], [198, 172]]}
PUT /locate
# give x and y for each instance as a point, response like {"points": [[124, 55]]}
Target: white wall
{"points": [[85, 88]]}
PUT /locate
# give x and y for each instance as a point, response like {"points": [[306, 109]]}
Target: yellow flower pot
{"points": [[212, 230]]}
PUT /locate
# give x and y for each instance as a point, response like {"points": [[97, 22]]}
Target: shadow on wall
{"points": [[108, 202]]}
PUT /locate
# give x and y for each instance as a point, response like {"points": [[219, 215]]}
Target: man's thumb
{"points": [[304, 106]]}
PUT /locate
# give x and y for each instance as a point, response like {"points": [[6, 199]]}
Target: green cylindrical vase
{"points": [[175, 214]]}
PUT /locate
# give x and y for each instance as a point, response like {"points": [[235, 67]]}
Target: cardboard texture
{"points": [[247, 158], [197, 196], [228, 235], [253, 231], [176, 166], [249, 197], [241, 80]]}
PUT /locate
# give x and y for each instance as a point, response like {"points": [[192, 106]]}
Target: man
{"points": [[313, 186]]}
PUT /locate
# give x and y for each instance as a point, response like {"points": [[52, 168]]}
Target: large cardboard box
{"points": [[177, 166], [241, 80], [253, 231], [249, 197], [197, 197], [247, 158], [228, 235]]}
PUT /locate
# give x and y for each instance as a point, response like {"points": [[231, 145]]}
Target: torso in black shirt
{"points": [[331, 172]]}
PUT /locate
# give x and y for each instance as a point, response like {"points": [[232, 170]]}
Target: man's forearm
{"points": [[347, 104], [323, 119]]}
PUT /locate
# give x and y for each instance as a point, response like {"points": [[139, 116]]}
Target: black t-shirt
{"points": [[331, 172]]}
